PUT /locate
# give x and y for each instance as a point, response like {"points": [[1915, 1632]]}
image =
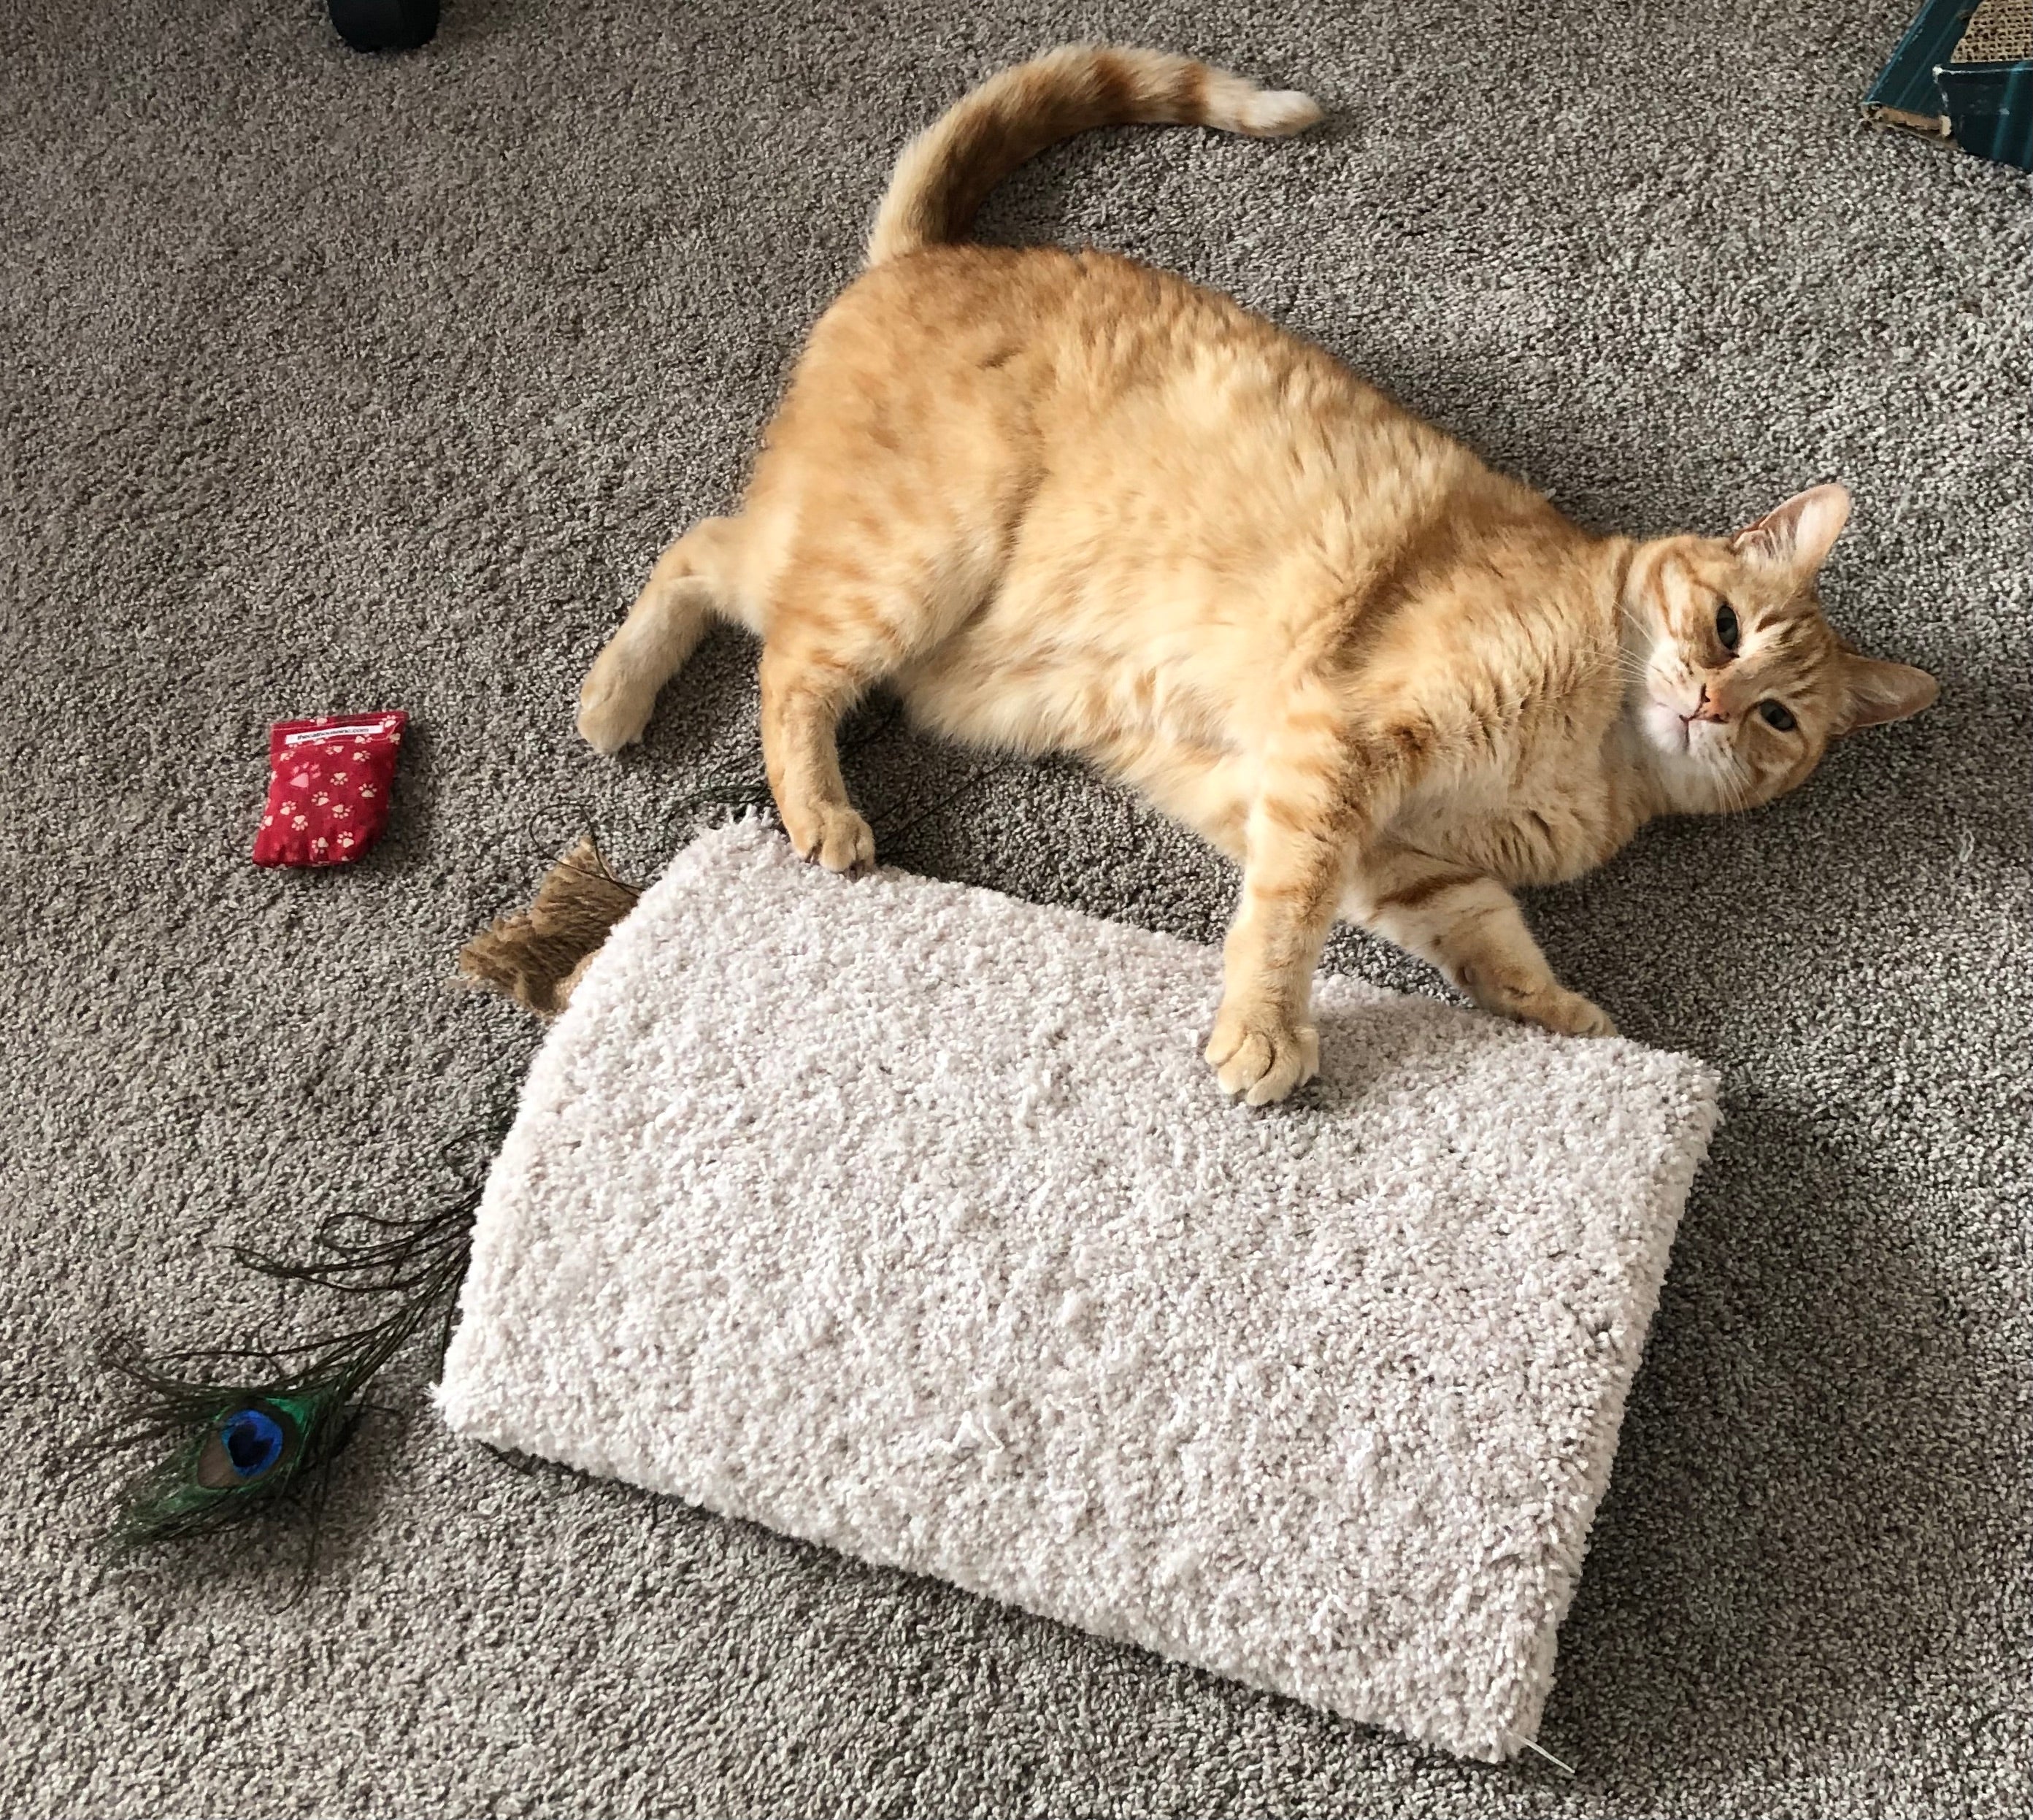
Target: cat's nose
{"points": [[1706, 710]]}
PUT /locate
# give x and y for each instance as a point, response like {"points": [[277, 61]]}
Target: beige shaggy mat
{"points": [[903, 1217]]}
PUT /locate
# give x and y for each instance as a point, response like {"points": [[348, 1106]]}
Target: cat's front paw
{"points": [[1539, 1000], [1569, 1014], [615, 702], [833, 836], [1259, 1052]]}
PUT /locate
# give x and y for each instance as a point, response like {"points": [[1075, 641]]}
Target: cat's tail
{"points": [[947, 171]]}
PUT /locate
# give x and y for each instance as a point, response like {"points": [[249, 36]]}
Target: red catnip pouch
{"points": [[328, 784]]}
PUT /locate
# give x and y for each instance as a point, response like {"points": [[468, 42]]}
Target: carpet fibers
{"points": [[337, 384]]}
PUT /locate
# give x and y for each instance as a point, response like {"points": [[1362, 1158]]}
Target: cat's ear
{"points": [[1798, 536], [1881, 691]]}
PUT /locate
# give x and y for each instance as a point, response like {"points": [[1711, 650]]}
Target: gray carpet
{"points": [[336, 383]]}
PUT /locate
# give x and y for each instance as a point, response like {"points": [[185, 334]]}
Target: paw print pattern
{"points": [[329, 788]]}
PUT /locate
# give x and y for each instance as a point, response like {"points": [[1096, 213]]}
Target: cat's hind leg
{"points": [[805, 689], [845, 614], [693, 580]]}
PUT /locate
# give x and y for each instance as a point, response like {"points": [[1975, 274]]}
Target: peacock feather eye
{"points": [[1727, 629], [244, 1445], [1777, 715]]}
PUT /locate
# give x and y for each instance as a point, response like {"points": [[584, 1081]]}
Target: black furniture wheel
{"points": [[384, 24]]}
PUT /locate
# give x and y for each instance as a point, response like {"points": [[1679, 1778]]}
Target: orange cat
{"points": [[1062, 501]]}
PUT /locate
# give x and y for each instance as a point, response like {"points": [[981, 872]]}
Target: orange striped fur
{"points": [[1060, 501]]}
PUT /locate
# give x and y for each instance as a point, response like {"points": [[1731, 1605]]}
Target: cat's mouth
{"points": [[1667, 727]]}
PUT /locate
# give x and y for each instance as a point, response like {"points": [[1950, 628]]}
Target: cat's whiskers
{"points": [[1736, 782]]}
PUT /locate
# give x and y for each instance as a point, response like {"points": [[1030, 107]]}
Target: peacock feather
{"points": [[245, 1428]]}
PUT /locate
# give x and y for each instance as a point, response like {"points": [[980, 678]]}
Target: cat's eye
{"points": [[1727, 629], [1777, 714]]}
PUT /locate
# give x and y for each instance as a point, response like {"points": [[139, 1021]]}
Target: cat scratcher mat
{"points": [[1963, 72], [905, 1218]]}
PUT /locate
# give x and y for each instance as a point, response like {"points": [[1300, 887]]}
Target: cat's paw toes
{"points": [[1567, 1012], [614, 707], [1262, 1053], [833, 836]]}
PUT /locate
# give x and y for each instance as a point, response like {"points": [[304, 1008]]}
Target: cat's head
{"points": [[1739, 682]]}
